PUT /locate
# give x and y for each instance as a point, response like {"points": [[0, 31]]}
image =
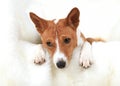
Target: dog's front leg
{"points": [[40, 57], [86, 56], [34, 53]]}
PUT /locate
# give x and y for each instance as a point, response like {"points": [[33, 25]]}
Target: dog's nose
{"points": [[61, 64]]}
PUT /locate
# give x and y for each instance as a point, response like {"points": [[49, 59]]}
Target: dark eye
{"points": [[49, 44], [67, 40]]}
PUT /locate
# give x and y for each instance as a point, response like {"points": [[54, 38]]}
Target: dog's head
{"points": [[59, 38]]}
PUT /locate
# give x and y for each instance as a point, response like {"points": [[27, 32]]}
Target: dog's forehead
{"points": [[60, 23], [63, 28], [60, 26], [56, 29]]}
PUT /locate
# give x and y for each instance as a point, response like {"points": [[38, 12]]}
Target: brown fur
{"points": [[63, 32], [91, 40], [65, 28]]}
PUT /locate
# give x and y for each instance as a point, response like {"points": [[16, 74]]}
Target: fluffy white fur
{"points": [[17, 56], [104, 72], [99, 19]]}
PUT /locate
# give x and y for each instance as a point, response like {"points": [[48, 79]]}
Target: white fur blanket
{"points": [[99, 18]]}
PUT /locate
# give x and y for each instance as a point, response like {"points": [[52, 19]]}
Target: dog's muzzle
{"points": [[61, 64]]}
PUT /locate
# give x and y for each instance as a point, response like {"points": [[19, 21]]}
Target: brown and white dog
{"points": [[95, 22], [68, 49], [61, 38]]}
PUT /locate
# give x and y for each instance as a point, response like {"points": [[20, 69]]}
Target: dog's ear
{"points": [[73, 18], [40, 23]]}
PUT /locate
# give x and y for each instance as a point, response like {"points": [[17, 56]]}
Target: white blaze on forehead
{"points": [[56, 21], [58, 55]]}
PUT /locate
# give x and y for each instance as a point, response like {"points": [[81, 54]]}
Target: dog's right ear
{"points": [[40, 23], [73, 18]]}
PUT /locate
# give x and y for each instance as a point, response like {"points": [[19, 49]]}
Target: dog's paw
{"points": [[85, 62], [39, 58], [86, 57]]}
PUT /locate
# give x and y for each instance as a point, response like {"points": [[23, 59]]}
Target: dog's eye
{"points": [[49, 44], [67, 40]]}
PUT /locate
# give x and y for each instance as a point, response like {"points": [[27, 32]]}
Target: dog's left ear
{"points": [[73, 18]]}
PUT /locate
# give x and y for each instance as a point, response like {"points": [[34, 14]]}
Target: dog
{"points": [[69, 49], [14, 49], [60, 39]]}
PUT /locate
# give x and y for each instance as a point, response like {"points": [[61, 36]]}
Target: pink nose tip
{"points": [[61, 64]]}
